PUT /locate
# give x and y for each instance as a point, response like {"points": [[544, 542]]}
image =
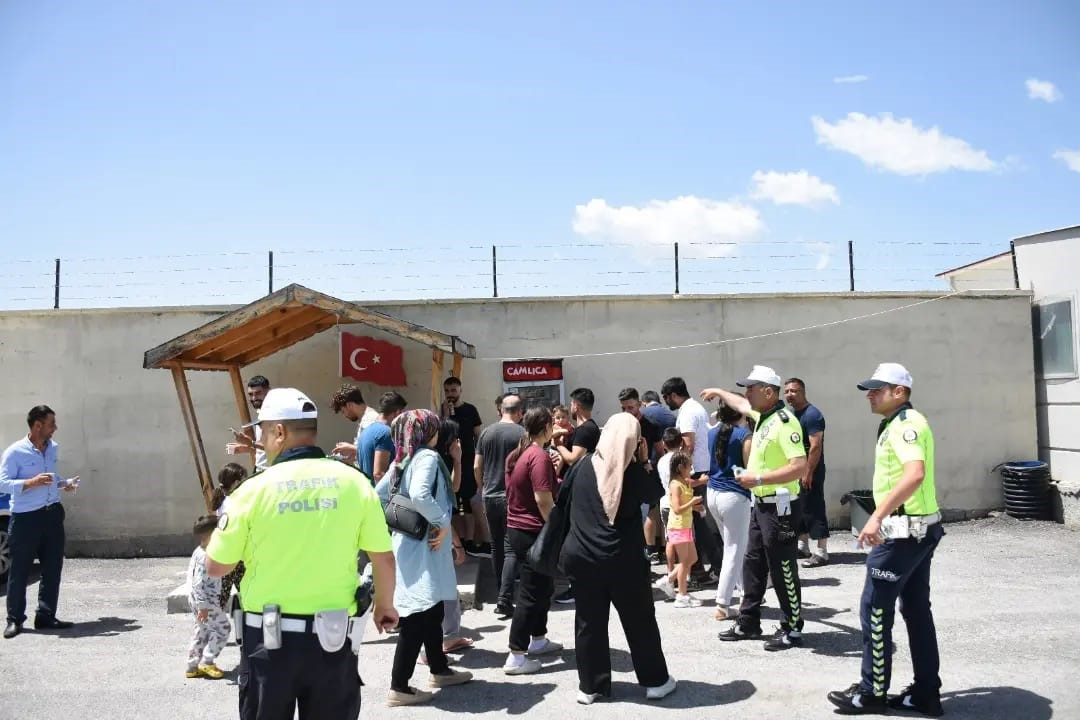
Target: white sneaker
{"points": [[687, 601], [545, 648], [664, 586], [659, 693], [584, 698], [527, 666]]}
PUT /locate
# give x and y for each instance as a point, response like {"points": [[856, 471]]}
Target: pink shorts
{"points": [[678, 537]]}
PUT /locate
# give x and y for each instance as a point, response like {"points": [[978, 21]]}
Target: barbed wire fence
{"points": [[483, 271]]}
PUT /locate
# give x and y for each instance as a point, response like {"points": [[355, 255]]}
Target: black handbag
{"points": [[401, 513], [543, 556]]}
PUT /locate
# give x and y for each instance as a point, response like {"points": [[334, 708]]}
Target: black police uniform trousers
{"points": [[37, 533], [773, 549], [299, 674], [899, 569]]}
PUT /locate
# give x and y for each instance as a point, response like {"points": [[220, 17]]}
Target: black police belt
{"points": [[332, 627]]}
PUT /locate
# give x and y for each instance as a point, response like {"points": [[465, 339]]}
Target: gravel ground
{"points": [[1004, 600]]}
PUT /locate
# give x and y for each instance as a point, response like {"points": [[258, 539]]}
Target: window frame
{"points": [[1072, 374]]}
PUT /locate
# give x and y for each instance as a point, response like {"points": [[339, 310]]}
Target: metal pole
{"points": [[676, 268], [1012, 249], [494, 273], [851, 265], [56, 287], [270, 269]]}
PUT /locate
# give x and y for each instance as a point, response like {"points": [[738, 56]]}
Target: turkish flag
{"points": [[371, 360]]}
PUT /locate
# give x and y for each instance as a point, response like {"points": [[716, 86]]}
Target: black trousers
{"points": [[710, 549], [534, 593], [419, 630], [299, 674], [625, 583], [773, 549], [35, 534], [815, 521], [504, 563]]}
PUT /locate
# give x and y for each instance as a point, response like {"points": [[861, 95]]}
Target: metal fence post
{"points": [[676, 268], [851, 265], [1016, 271], [494, 274], [270, 271], [56, 287]]}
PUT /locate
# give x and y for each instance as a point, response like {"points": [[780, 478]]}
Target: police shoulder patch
{"points": [[910, 435], [795, 437], [223, 521]]}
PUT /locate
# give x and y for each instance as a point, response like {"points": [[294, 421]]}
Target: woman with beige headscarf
{"points": [[604, 556]]}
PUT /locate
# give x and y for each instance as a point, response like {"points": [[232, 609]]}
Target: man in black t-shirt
{"points": [[470, 521], [583, 440]]}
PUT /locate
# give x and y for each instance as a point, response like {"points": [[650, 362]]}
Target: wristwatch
{"points": [[757, 480]]}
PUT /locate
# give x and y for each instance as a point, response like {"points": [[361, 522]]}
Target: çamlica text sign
{"points": [[531, 370]]}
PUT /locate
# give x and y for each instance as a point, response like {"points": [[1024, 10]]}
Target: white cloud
{"points": [[793, 188], [848, 79], [899, 146], [1070, 158], [659, 223], [1042, 90]]}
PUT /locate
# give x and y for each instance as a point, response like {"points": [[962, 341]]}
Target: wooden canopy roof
{"points": [[275, 322]]}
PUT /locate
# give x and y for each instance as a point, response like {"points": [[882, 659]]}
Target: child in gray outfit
{"points": [[211, 623]]}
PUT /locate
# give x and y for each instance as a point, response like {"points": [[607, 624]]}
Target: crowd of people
{"points": [[730, 499]]}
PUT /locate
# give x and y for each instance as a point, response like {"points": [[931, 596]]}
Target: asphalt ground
{"points": [[1004, 596]]}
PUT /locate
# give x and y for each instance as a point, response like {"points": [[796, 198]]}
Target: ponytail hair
{"points": [[728, 417], [536, 421]]}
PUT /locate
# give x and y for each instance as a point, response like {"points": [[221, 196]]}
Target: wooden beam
{"points": [[198, 365], [191, 424], [242, 405], [457, 366], [271, 346], [436, 378], [286, 325], [237, 334]]}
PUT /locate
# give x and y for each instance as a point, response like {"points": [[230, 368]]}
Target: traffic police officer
{"points": [[777, 461], [298, 527], [904, 531]]}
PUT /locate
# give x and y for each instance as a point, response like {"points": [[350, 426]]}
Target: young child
{"points": [[560, 418], [211, 623], [673, 440], [680, 533], [230, 477]]}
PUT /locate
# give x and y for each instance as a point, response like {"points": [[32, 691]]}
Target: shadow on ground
{"points": [[689, 694], [997, 702]]}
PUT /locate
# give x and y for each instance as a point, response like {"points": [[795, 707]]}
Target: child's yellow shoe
{"points": [[192, 674], [211, 671]]}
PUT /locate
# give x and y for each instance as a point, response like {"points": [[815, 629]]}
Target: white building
{"points": [[1047, 264], [992, 273]]}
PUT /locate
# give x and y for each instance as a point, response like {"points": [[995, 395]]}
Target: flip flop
{"points": [[457, 644]]}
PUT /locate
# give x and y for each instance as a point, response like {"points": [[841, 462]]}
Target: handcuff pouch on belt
{"points": [[332, 628], [236, 612], [783, 502], [903, 527]]}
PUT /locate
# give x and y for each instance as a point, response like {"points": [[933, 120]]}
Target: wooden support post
{"points": [[457, 365], [198, 452], [436, 378], [242, 405]]}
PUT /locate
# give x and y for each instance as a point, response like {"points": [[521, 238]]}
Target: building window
{"points": [[1055, 344]]}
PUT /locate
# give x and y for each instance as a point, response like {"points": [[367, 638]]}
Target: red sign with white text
{"points": [[371, 360], [532, 370]]}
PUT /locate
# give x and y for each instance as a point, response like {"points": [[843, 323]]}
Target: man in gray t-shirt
{"points": [[495, 444]]}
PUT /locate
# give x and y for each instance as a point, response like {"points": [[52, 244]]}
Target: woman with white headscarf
{"points": [[604, 556]]}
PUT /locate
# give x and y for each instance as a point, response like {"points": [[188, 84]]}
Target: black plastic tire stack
{"points": [[1027, 489]]}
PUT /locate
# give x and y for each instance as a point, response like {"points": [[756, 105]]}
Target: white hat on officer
{"points": [[761, 375], [285, 404], [887, 374]]}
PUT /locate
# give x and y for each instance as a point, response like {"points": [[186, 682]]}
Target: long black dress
{"points": [[607, 566]]}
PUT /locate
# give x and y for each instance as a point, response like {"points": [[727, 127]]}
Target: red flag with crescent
{"points": [[371, 360]]}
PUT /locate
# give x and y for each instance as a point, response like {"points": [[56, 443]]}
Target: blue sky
{"points": [[387, 149]]}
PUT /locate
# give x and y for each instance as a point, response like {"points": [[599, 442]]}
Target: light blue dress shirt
{"points": [[424, 578], [22, 461]]}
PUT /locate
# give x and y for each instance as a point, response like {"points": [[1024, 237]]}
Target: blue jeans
{"points": [[899, 569]]}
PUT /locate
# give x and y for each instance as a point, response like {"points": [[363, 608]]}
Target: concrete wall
{"points": [[120, 425], [1046, 265]]}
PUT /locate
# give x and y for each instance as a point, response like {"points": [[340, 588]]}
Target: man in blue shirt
{"points": [[814, 524], [660, 416], [374, 447], [28, 474]]}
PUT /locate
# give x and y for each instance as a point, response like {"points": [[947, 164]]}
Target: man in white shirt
{"points": [[693, 422]]}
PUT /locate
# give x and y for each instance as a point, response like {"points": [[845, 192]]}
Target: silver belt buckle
{"points": [[332, 628]]}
